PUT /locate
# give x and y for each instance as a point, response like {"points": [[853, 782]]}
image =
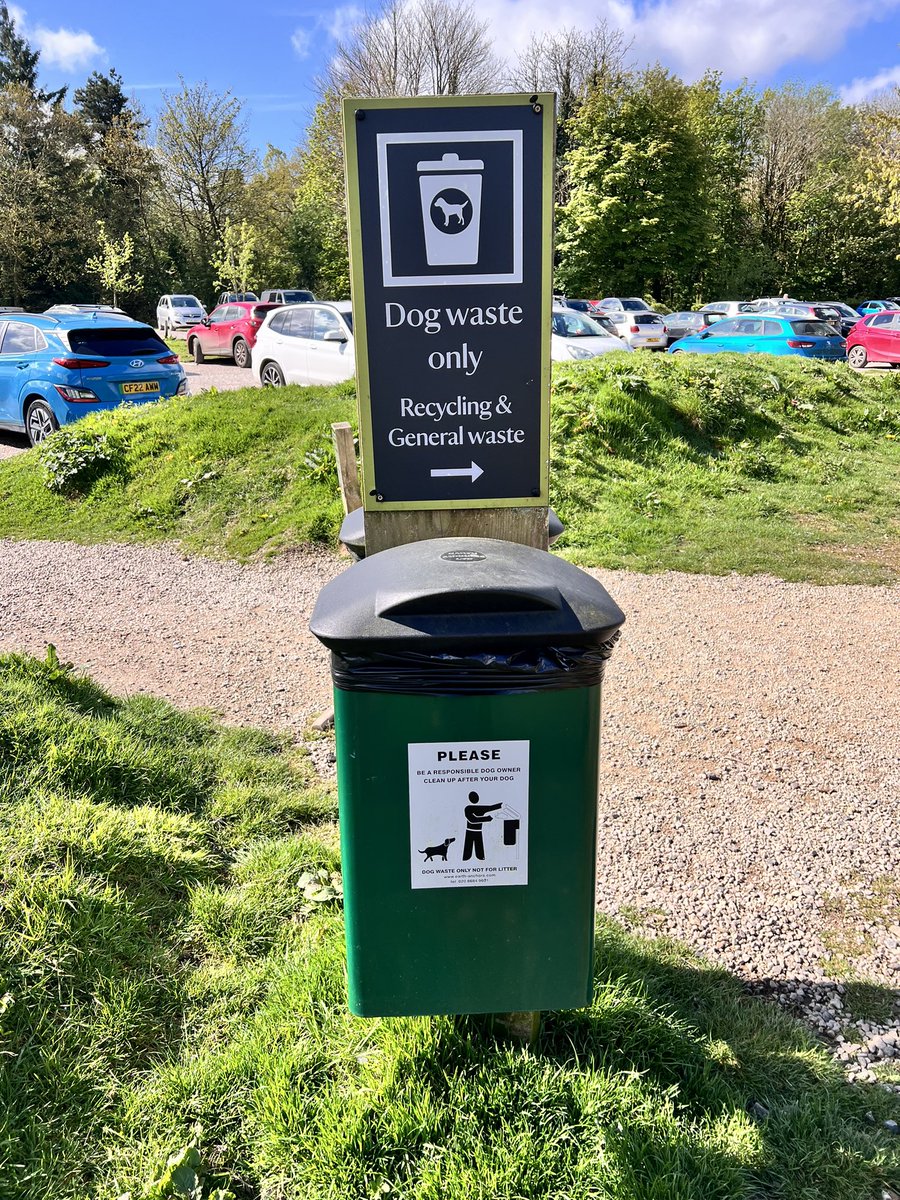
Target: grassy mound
{"points": [[226, 473], [699, 463], [729, 463], [172, 1017]]}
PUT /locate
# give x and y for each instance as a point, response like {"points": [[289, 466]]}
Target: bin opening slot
{"points": [[470, 603]]}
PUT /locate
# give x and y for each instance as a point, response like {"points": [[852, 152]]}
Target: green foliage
{"points": [[73, 458], [174, 1025], [234, 262], [111, 264]]}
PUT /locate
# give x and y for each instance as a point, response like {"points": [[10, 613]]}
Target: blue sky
{"points": [[270, 52]]}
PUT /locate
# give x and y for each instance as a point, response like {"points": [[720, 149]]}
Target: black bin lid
{"points": [[448, 593]]}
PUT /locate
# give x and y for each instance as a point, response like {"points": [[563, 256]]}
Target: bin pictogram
{"points": [[451, 209]]}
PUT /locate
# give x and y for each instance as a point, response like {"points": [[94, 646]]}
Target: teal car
{"points": [[765, 334], [874, 306]]}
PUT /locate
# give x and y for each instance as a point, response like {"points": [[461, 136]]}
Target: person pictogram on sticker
{"points": [[476, 816]]}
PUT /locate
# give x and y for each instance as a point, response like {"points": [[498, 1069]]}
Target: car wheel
{"points": [[679, 351], [271, 375], [197, 351], [857, 357], [241, 353], [40, 422]]}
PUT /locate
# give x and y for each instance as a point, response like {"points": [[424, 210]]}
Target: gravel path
{"points": [[751, 756]]}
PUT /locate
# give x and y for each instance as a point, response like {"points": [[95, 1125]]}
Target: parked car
{"points": [[305, 343], [818, 312], [680, 324], [55, 368], [612, 304], [107, 310], [849, 316], [228, 332], [588, 307], [874, 306], [729, 308], [768, 303], [175, 313], [765, 334], [235, 298], [575, 336], [287, 296], [643, 329], [875, 338]]}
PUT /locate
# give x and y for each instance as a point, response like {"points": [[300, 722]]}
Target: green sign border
{"points": [[547, 100]]}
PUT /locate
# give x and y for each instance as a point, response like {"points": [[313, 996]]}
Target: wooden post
{"points": [[348, 475]]}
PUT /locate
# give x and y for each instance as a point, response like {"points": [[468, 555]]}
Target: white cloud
{"points": [[343, 20], [692, 36], [863, 89], [301, 40], [67, 49]]}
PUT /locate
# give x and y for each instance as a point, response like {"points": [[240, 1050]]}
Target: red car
{"points": [[228, 332], [875, 338]]}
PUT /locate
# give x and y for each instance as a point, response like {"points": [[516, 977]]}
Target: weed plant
{"points": [[173, 1019]]}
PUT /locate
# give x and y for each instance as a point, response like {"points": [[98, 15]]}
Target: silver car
{"points": [[178, 312], [641, 330]]}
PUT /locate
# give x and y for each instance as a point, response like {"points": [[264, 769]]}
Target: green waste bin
{"points": [[467, 678]]}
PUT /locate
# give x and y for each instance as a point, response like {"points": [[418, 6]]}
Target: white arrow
{"points": [[474, 471]]}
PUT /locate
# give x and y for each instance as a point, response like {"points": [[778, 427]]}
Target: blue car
{"points": [[874, 306], [56, 368], [765, 334]]}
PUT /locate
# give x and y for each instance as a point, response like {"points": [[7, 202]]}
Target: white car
{"points": [[641, 330], [575, 336], [305, 343], [614, 304], [731, 308], [174, 313]]}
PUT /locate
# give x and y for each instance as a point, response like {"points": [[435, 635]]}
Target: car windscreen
{"points": [[573, 324], [259, 310], [185, 302], [813, 328], [634, 306], [647, 319], [298, 297], [116, 342]]}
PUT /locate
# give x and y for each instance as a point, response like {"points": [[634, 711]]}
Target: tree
{"points": [[102, 101], [320, 214], [271, 195], [111, 264], [415, 47], [877, 181], [635, 219], [234, 263], [44, 201], [19, 62], [570, 62], [204, 161]]}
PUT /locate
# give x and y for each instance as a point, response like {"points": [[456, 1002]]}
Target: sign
{"points": [[468, 814], [451, 203]]}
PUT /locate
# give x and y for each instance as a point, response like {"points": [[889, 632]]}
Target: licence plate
{"points": [[654, 340], [139, 386]]}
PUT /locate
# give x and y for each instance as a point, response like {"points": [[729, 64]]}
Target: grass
{"points": [[173, 1011], [699, 463]]}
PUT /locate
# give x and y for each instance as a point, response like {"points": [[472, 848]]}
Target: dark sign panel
{"points": [[450, 236]]}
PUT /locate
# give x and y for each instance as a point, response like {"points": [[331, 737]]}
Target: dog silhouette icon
{"points": [[451, 210], [440, 851]]}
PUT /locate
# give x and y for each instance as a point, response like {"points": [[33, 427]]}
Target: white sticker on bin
{"points": [[468, 813]]}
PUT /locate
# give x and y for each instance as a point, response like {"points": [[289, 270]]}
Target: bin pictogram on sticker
{"points": [[451, 209]]}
